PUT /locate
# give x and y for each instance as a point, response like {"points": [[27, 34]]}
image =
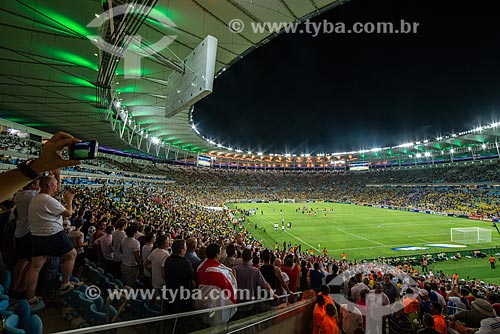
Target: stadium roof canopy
{"points": [[54, 77]]}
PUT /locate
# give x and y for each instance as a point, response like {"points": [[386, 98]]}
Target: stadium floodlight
{"points": [[419, 155], [427, 154], [219, 145], [483, 146], [406, 145], [155, 140], [453, 135], [439, 138], [259, 153], [426, 141], [495, 125], [469, 148], [452, 150], [249, 152]]}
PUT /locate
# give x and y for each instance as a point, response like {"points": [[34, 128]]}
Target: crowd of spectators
{"points": [[171, 235]]}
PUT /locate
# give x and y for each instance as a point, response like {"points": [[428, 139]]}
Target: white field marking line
{"points": [[428, 235], [398, 245], [360, 237], [426, 241], [299, 239]]}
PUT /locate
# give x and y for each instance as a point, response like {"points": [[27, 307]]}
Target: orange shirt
{"points": [[329, 300], [318, 315], [329, 325], [440, 323]]}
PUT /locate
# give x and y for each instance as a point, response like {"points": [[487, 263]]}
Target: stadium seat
{"points": [[137, 308], [7, 281], [35, 325], [85, 306], [98, 314], [11, 325], [23, 311], [151, 310], [118, 283]]}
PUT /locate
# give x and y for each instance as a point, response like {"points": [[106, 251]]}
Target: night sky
{"points": [[332, 93]]}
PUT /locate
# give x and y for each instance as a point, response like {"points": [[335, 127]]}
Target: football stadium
{"points": [[155, 179]]}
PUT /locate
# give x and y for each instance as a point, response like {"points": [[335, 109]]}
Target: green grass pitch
{"points": [[362, 232]]}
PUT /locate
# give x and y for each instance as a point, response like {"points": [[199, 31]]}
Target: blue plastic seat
{"points": [[7, 282], [23, 311], [11, 325], [137, 308], [152, 310], [35, 325], [98, 316], [85, 306], [118, 283]]}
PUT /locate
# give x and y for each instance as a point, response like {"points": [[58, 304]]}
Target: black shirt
{"points": [[178, 273]]}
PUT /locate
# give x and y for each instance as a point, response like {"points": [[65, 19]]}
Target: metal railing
{"points": [[176, 316]]}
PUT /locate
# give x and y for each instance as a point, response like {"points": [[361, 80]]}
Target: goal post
{"points": [[470, 235]]}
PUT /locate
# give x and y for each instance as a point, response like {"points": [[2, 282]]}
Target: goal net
{"points": [[470, 235]]}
